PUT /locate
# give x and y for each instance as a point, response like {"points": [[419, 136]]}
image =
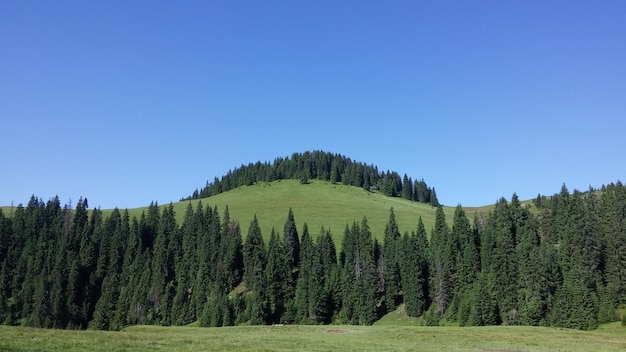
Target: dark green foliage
{"points": [[499, 259], [324, 166], [574, 306], [305, 272], [612, 214], [468, 265], [359, 276], [231, 265], [557, 261], [278, 275], [163, 272], [255, 260], [532, 288], [414, 270], [444, 250], [483, 304], [390, 266], [292, 241], [254, 256], [407, 187]]}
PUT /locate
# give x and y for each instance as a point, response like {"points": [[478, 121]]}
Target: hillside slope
{"points": [[318, 203]]}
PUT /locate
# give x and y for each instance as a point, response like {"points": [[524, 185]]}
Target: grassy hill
{"points": [[318, 203]]}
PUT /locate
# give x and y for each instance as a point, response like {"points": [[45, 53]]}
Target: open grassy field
{"points": [[318, 204], [610, 337]]}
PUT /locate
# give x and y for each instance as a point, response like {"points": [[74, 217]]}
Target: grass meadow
{"points": [[318, 204], [610, 337]]}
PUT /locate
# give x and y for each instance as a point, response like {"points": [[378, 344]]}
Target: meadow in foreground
{"points": [[609, 337]]}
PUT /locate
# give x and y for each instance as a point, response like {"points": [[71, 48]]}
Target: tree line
{"points": [[554, 261], [323, 166]]}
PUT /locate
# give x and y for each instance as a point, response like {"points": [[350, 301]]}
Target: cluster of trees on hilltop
{"points": [[560, 261], [322, 166]]}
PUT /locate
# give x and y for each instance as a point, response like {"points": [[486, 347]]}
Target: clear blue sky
{"points": [[125, 102]]}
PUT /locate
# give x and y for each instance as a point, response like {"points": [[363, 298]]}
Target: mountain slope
{"points": [[318, 203]]}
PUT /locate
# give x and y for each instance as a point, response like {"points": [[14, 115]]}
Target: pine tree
{"points": [[407, 187], [278, 276], [359, 273], [444, 251], [292, 242], [255, 259], [185, 266], [484, 310], [612, 205], [500, 259], [391, 264], [231, 264], [414, 270], [163, 266], [469, 259], [331, 273], [573, 306], [302, 296], [532, 287], [366, 276]]}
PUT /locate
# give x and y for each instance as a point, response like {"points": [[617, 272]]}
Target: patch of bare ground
{"points": [[336, 331], [505, 350]]}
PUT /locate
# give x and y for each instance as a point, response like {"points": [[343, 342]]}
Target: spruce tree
{"points": [[163, 266], [501, 261], [255, 259], [185, 266], [469, 260], [414, 270], [391, 264], [278, 276], [532, 289], [444, 251], [612, 203], [365, 273], [292, 242], [302, 296]]}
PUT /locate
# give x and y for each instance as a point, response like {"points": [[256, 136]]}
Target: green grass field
{"points": [[318, 204], [610, 337]]}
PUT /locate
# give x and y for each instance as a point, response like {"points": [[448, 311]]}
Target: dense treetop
{"points": [[322, 166]]}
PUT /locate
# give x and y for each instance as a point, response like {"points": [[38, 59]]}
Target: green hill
{"points": [[318, 203]]}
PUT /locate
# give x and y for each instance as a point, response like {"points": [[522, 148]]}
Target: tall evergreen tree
{"points": [[185, 266], [163, 266], [278, 276], [391, 264], [500, 259], [444, 251], [255, 259], [414, 270], [302, 296], [613, 217], [359, 273], [292, 242], [532, 287]]}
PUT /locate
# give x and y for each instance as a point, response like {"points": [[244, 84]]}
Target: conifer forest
{"points": [[556, 260]]}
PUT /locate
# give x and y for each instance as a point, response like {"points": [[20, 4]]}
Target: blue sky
{"points": [[125, 102]]}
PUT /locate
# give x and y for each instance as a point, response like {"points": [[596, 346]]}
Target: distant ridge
{"points": [[324, 166]]}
